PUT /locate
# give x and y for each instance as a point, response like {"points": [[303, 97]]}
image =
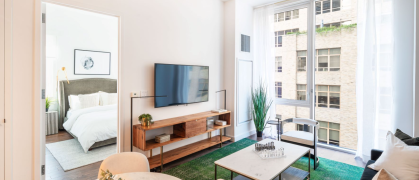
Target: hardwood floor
{"points": [[53, 170]]}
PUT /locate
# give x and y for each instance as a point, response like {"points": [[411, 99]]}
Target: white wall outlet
{"points": [[135, 94], [144, 93]]}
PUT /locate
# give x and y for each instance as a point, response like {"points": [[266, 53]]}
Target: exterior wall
{"points": [[345, 78]]}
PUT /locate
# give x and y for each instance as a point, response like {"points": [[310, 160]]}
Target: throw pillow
{"points": [[406, 138], [88, 100], [399, 159], [384, 175]]}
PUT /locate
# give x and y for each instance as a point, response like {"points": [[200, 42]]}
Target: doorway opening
{"points": [[81, 58]]}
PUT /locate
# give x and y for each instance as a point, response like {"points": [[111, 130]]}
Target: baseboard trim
{"points": [[243, 135]]}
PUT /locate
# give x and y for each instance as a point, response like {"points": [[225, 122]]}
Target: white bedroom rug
{"points": [[70, 154]]}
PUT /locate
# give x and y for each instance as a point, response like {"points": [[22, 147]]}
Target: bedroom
{"points": [[81, 88]]}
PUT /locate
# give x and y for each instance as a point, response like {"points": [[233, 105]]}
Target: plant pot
{"points": [[46, 110], [259, 133]]}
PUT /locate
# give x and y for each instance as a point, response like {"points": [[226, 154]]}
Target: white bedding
{"points": [[93, 124]]}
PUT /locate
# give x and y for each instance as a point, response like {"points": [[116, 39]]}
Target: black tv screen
{"points": [[181, 84]]}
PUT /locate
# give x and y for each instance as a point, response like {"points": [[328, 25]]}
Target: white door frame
{"points": [[39, 103], [2, 74]]}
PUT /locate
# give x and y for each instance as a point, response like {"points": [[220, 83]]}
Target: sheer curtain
{"points": [[264, 58], [383, 71]]}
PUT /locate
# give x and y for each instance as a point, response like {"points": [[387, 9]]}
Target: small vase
{"points": [[259, 133]]}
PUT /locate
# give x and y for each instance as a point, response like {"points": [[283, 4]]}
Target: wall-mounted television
{"points": [[180, 84]]}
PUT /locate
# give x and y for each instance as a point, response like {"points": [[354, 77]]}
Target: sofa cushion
{"points": [[368, 172], [399, 159], [406, 138]]}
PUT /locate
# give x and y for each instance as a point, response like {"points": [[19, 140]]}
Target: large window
{"points": [[288, 15], [326, 60], [278, 89], [278, 64], [279, 34], [329, 133], [326, 96], [327, 6]]}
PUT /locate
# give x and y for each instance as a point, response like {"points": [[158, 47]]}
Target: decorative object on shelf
{"points": [[162, 138], [210, 123], [145, 119], [92, 62], [225, 103], [48, 102], [106, 175], [220, 122], [260, 107]]}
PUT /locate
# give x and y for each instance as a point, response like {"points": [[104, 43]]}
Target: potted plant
{"points": [[48, 102], [145, 119], [260, 107]]}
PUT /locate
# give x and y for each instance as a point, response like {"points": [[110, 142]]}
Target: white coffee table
{"points": [[248, 164]]}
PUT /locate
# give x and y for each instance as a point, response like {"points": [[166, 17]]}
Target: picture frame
{"points": [[88, 62]]}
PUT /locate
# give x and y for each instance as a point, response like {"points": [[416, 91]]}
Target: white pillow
{"points": [[108, 98], [399, 159], [74, 102], [89, 100]]}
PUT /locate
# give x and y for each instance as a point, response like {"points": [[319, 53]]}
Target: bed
{"points": [[88, 86]]}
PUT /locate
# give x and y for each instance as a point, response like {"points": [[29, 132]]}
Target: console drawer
{"points": [[193, 128]]}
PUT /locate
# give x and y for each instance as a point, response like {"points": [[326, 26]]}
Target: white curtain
{"points": [[384, 71], [263, 55]]}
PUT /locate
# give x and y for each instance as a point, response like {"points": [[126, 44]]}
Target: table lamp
{"points": [[225, 103]]}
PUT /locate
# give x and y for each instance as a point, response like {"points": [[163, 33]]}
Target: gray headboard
{"points": [[81, 86]]}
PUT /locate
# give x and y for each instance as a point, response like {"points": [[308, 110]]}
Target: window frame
{"points": [[302, 4]]}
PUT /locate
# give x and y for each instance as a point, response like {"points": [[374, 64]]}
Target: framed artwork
{"points": [[92, 62]]}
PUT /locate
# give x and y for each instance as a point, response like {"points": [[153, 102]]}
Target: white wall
{"points": [[182, 32], [244, 25]]}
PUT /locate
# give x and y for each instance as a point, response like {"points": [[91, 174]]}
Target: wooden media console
{"points": [[184, 127]]}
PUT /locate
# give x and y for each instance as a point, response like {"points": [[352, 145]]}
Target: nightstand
{"points": [[51, 122]]}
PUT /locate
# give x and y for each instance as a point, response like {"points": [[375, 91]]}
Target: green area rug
{"points": [[203, 167]]}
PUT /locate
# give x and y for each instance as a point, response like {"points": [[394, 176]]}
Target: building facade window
{"points": [[301, 92], [301, 60], [327, 6], [278, 64], [279, 34], [326, 60], [278, 89], [288, 15], [326, 96], [329, 133]]}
